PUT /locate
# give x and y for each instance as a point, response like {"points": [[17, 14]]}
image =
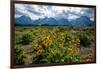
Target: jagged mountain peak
{"points": [[25, 20]]}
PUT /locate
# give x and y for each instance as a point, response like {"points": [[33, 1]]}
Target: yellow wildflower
{"points": [[62, 34], [47, 41]]}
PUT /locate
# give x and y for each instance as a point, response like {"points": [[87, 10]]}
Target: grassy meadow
{"points": [[53, 44]]}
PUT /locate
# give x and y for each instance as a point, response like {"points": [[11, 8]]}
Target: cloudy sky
{"points": [[41, 11]]}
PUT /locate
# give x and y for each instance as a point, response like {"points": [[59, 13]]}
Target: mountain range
{"points": [[81, 21]]}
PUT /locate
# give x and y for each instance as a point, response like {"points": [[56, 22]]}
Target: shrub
{"points": [[19, 55], [84, 40], [59, 55], [54, 55], [54, 52], [25, 39]]}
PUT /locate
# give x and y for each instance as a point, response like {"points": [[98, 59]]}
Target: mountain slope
{"points": [[23, 20], [82, 21]]}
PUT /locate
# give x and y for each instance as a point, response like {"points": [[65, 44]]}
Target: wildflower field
{"points": [[53, 44]]}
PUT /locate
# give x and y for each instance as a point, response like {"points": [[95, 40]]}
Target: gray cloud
{"points": [[40, 11]]}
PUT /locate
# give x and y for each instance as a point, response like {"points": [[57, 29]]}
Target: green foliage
{"points": [[54, 55], [84, 40], [25, 39], [19, 53], [59, 55], [72, 59], [46, 44]]}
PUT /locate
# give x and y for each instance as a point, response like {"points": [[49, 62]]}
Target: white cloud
{"points": [[72, 17]]}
